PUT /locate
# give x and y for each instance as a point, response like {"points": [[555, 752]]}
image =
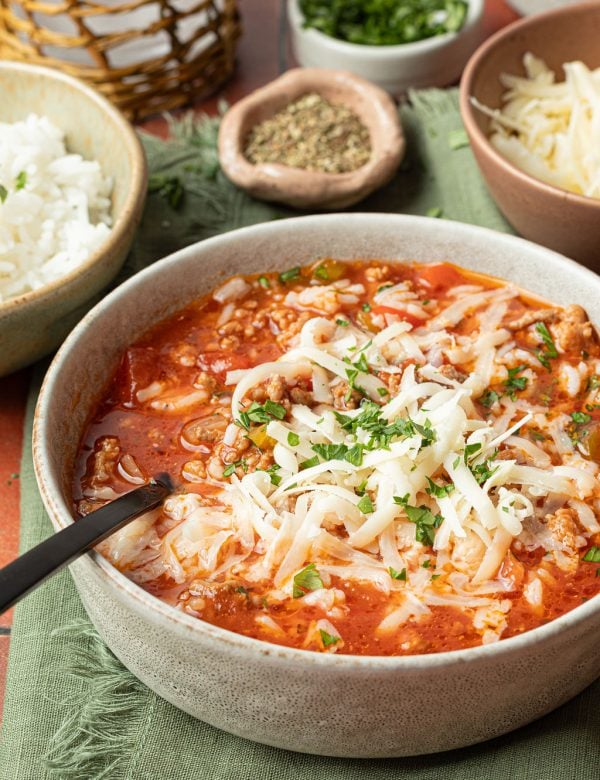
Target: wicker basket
{"points": [[146, 56]]}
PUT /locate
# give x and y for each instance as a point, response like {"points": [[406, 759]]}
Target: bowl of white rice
{"points": [[72, 189]]}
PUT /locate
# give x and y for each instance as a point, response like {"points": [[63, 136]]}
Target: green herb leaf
{"points": [[471, 449], [397, 575], [321, 272], [581, 418], [592, 555], [308, 464], [383, 22], [439, 491], [383, 391], [330, 451], [328, 639], [275, 478], [3, 193], [515, 382], [426, 564], [21, 180], [229, 470], [550, 352], [366, 505], [425, 521], [366, 307], [264, 282], [306, 580], [489, 398], [290, 274], [293, 439], [355, 455], [342, 323]]}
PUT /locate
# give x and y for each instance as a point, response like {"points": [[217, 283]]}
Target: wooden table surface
{"points": [[262, 55]]}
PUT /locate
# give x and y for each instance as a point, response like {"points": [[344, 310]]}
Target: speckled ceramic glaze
{"points": [[319, 703], [558, 219], [33, 324]]}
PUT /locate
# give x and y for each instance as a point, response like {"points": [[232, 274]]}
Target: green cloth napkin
{"points": [[72, 712]]}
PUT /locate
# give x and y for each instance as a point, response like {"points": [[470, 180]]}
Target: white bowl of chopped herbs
{"points": [[397, 44]]}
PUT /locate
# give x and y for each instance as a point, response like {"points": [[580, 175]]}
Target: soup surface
{"points": [[374, 458]]}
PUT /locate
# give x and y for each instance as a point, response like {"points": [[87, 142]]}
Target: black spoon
{"points": [[31, 569]]}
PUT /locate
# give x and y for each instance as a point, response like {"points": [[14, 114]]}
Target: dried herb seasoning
{"points": [[313, 134]]}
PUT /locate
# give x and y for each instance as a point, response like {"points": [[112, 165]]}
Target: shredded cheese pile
{"points": [[551, 130], [367, 494]]}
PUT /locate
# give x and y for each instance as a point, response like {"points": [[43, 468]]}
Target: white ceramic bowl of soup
{"points": [[367, 706]]}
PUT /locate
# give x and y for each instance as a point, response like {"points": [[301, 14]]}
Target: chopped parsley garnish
{"points": [[435, 576], [3, 193], [439, 491], [515, 382], [383, 22], [592, 555], [342, 323], [21, 180], [383, 391], [423, 518], [264, 282], [381, 431], [483, 471], [290, 274], [360, 490], [321, 272], [293, 439], [489, 398], [306, 580], [262, 413], [330, 451], [581, 418], [470, 449], [426, 564], [550, 351], [355, 455], [397, 575], [229, 470], [328, 639], [308, 464], [366, 307], [366, 505], [241, 589], [275, 478]]}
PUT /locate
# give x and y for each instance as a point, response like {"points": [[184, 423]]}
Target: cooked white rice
{"points": [[54, 206]]}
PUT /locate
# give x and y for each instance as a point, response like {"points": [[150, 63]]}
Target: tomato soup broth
{"points": [[373, 458]]}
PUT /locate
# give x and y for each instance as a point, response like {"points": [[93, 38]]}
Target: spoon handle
{"points": [[33, 567]]}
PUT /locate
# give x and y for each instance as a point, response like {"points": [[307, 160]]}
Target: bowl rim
{"points": [[467, 110], [137, 188], [159, 611], [475, 10]]}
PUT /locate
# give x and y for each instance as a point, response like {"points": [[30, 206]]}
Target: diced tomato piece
{"points": [[220, 362], [138, 369], [441, 276], [402, 313]]}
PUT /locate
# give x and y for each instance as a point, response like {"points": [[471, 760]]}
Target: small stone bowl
{"points": [[313, 189]]}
